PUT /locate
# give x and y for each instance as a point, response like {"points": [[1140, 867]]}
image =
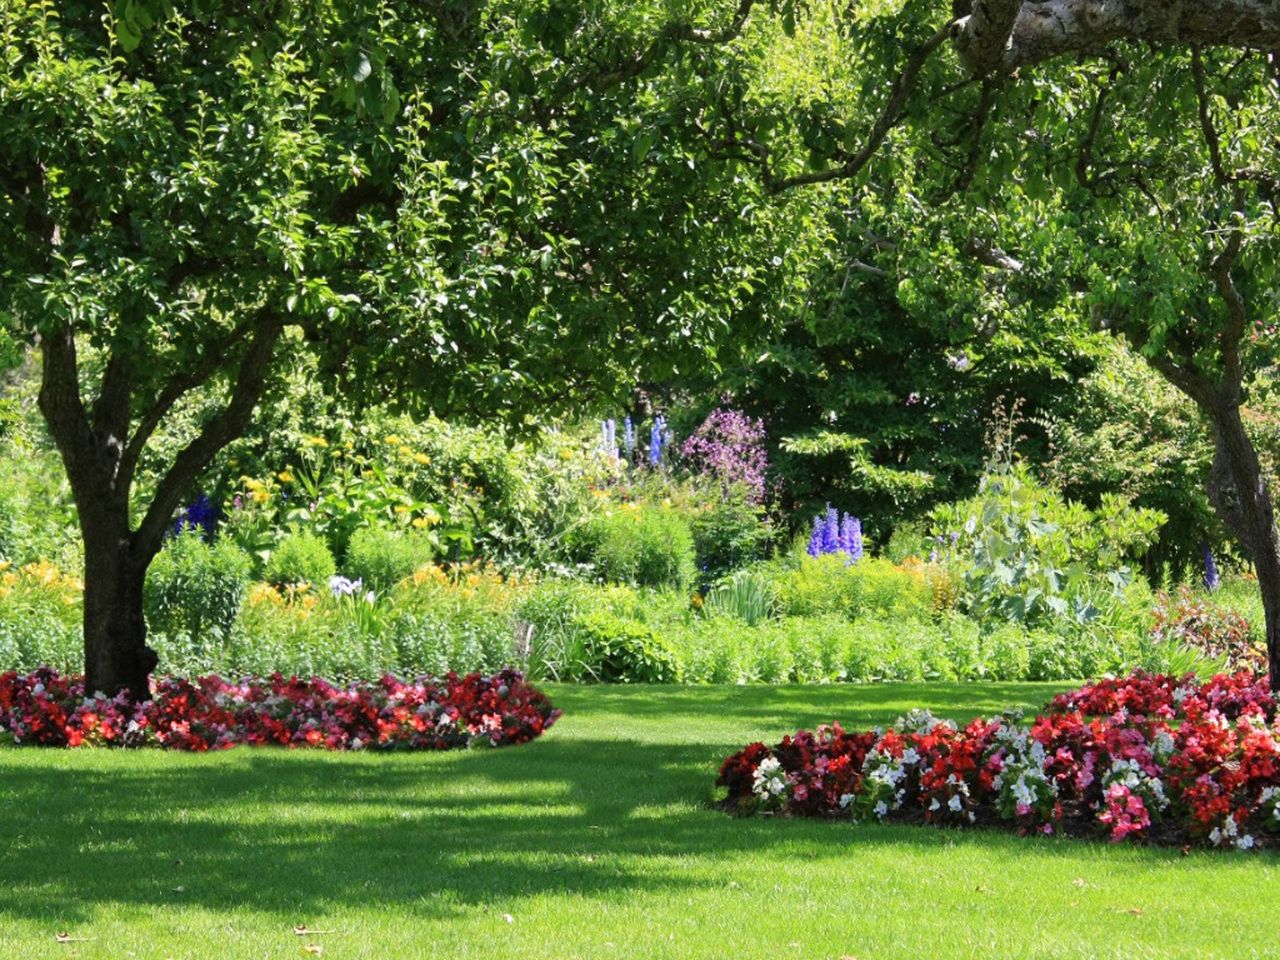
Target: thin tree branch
{"points": [[228, 424]]}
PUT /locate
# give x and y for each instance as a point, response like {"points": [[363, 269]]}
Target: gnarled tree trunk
{"points": [[116, 655], [100, 447], [1239, 493]]}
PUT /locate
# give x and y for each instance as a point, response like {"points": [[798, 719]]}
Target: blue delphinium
{"points": [[656, 438], [1211, 578], [609, 438], [851, 537], [833, 533], [629, 437], [815, 540], [202, 515]]}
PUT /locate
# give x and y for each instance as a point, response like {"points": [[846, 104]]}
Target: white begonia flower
{"points": [[1245, 842], [955, 804]]}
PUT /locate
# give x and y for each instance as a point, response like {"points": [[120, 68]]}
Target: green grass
{"points": [[596, 841]]}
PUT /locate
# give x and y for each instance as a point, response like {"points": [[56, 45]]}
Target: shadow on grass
{"points": [[296, 834]]}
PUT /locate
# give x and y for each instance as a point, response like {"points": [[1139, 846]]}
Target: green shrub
{"points": [[870, 587], [40, 619], [624, 651], [193, 587], [382, 557], [645, 546], [1031, 557], [300, 558], [729, 534]]}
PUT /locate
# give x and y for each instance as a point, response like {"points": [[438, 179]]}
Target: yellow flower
{"points": [[4, 565], [401, 509], [421, 458], [393, 440], [404, 451], [259, 496], [419, 522], [317, 442]]}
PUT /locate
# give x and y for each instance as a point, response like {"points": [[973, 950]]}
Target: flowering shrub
{"points": [[729, 447], [1209, 628], [45, 708], [1146, 757]]}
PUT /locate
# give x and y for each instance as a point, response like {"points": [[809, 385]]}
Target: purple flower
{"points": [[851, 537], [656, 438], [833, 533], [341, 586], [728, 446], [202, 515], [1211, 578]]}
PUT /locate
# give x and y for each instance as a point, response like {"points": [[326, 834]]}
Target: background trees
{"points": [[511, 207], [415, 196]]}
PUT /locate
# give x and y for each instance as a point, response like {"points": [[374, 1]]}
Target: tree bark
{"points": [[116, 655], [1239, 493], [999, 36], [100, 464]]}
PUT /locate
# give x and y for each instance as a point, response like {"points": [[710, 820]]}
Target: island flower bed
{"points": [[1145, 757], [209, 713]]}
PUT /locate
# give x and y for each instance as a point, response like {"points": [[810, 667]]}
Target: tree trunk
{"points": [[116, 655], [1239, 493]]}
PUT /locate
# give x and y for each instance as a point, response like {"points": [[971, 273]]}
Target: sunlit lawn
{"points": [[599, 840]]}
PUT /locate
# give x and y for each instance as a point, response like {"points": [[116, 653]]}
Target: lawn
{"points": [[598, 840]]}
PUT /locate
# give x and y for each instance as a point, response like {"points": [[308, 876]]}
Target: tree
{"points": [[1113, 159], [425, 196]]}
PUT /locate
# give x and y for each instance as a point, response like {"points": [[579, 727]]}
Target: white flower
{"points": [[1215, 836], [845, 800], [881, 809], [1245, 842], [934, 805], [954, 804], [769, 780]]}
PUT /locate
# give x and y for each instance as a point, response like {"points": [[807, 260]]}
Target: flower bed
{"points": [[47, 709], [1146, 757]]}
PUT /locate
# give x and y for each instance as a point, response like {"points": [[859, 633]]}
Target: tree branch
{"points": [[1206, 120], [64, 412], [1044, 29], [900, 90], [176, 387], [667, 37], [216, 434]]}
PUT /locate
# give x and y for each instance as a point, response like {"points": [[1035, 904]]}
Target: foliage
{"points": [[1133, 434], [615, 650], [729, 533], [1144, 758], [1031, 557], [40, 613], [1214, 631], [194, 587], [301, 559], [872, 587], [209, 713], [381, 558], [746, 595], [643, 545]]}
